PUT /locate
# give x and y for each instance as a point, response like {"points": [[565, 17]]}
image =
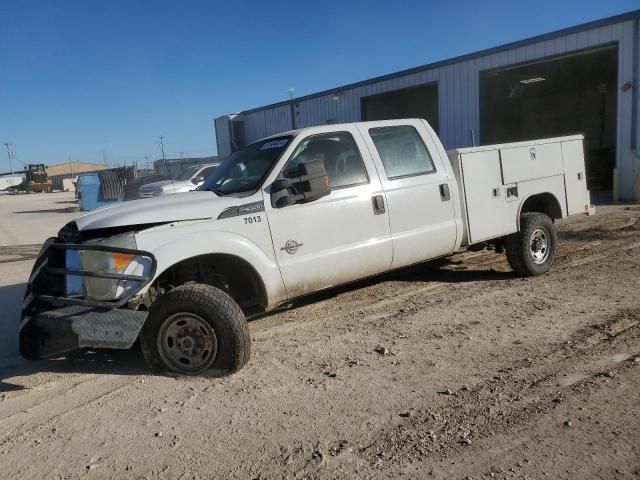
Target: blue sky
{"points": [[79, 78]]}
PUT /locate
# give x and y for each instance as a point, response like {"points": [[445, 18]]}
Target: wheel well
{"points": [[229, 273], [543, 203]]}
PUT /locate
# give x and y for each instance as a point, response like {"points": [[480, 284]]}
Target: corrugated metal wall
{"points": [[267, 122], [458, 92], [223, 137]]}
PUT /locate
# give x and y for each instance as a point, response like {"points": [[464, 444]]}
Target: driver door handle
{"points": [[378, 204], [445, 195]]}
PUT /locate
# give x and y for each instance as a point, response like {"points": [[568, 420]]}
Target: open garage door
{"points": [[414, 102], [563, 95]]}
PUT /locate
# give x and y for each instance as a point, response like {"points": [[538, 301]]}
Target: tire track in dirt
{"points": [[56, 405], [519, 395]]}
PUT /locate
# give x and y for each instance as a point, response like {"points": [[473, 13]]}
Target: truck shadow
{"points": [[11, 301], [441, 270], [95, 362], [9, 387], [453, 272], [73, 209]]}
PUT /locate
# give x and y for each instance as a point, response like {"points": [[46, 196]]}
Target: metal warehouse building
{"points": [[582, 79]]}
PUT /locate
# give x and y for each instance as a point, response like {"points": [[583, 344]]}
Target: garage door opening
{"points": [[414, 102], [560, 96]]}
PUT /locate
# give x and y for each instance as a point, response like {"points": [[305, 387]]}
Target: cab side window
{"points": [[338, 151], [402, 151]]}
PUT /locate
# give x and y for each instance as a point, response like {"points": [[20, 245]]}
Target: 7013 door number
{"points": [[254, 219]]}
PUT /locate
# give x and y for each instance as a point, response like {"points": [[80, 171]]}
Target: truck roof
{"points": [[478, 148], [332, 126]]}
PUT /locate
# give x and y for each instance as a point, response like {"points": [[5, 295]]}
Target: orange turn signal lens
{"points": [[121, 260]]}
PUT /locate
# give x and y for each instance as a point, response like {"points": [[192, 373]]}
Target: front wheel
{"points": [[532, 250], [194, 329]]}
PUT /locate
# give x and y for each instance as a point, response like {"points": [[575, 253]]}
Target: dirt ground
{"points": [[456, 370]]}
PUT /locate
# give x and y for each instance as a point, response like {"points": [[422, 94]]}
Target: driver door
{"points": [[338, 238]]}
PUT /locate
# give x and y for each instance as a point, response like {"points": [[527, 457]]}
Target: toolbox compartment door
{"points": [[489, 214], [575, 177], [531, 162]]}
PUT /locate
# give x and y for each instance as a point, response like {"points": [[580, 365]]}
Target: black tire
{"points": [[524, 252], [198, 302]]}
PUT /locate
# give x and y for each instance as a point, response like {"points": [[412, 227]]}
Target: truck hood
{"points": [[163, 209]]}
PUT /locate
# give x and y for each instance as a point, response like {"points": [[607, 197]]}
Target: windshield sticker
{"points": [[275, 144]]}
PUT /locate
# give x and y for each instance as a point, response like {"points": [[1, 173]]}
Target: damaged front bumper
{"points": [[54, 332], [54, 323]]}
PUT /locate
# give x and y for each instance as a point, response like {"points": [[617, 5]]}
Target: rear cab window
{"points": [[402, 151]]}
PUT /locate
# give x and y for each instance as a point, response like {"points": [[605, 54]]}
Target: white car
{"points": [[287, 216], [188, 180]]}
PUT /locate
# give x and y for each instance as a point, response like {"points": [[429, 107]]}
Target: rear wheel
{"points": [[532, 250], [195, 329]]}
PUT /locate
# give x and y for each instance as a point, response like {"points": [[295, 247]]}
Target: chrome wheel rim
{"points": [[187, 343], [539, 246]]}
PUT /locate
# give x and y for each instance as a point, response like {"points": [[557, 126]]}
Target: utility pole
{"points": [[70, 168], [10, 155], [164, 159], [162, 148]]}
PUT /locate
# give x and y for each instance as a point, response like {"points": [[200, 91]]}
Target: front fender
{"points": [[173, 244]]}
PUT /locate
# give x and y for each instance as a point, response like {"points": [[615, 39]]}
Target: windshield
{"points": [[188, 173], [244, 170]]}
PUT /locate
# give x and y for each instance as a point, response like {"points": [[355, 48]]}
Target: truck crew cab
{"points": [[286, 216]]}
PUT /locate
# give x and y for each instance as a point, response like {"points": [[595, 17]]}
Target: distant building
{"points": [[74, 168], [172, 167], [60, 171]]}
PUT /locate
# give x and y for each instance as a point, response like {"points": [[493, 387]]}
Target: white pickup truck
{"points": [[188, 180], [286, 216]]}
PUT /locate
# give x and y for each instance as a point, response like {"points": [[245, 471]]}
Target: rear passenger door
{"points": [[417, 188]]}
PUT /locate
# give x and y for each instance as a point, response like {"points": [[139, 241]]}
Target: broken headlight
{"points": [[105, 289]]}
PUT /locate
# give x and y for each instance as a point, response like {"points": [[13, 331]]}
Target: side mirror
{"points": [[309, 183], [197, 180]]}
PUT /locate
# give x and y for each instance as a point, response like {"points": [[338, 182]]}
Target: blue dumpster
{"points": [[90, 193]]}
